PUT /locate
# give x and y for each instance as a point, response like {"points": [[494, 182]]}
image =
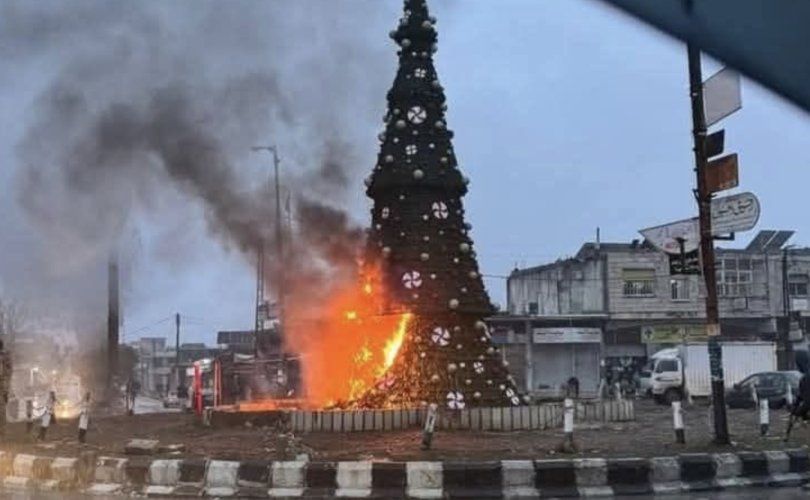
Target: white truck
{"points": [[687, 367]]}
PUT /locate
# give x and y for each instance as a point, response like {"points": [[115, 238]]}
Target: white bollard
{"points": [[677, 422], [568, 446], [789, 396], [430, 425], [764, 417]]}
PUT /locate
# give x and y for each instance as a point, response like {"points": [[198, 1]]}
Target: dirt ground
{"points": [[650, 435]]}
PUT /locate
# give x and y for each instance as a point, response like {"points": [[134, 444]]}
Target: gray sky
{"points": [[567, 115]]}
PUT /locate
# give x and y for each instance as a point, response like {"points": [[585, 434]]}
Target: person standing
{"points": [[84, 418], [6, 369], [48, 416]]}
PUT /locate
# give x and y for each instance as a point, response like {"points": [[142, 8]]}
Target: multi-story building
{"points": [[612, 304]]}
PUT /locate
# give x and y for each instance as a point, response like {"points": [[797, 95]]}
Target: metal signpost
{"points": [[690, 242], [712, 176]]}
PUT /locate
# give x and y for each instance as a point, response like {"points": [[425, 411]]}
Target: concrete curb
{"points": [[509, 479]]}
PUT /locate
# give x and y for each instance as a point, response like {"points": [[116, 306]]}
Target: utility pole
{"points": [[113, 318], [260, 300], [279, 233], [704, 199], [787, 344], [177, 354]]}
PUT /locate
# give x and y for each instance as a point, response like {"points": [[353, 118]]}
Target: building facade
{"points": [[626, 293], [157, 363]]}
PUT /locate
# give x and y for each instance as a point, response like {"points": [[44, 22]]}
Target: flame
{"points": [[393, 345], [354, 344]]}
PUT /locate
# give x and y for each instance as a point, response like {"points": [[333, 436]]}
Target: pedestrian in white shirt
{"points": [[48, 415]]}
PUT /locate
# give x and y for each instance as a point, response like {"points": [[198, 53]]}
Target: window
{"points": [[638, 282], [797, 285], [666, 365], [533, 308], [750, 382], [680, 289], [735, 276]]}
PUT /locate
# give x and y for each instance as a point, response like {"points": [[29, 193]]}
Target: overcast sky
{"points": [[568, 117]]}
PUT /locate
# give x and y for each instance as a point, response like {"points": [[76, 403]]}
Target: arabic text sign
{"points": [[739, 212], [666, 238], [730, 214], [673, 334], [566, 335], [722, 95]]}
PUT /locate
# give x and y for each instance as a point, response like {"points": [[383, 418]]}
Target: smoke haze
{"points": [[146, 117]]}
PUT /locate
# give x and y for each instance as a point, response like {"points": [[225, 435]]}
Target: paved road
{"points": [[753, 494]]}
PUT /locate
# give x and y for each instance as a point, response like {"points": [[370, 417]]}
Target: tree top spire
{"points": [[416, 26]]}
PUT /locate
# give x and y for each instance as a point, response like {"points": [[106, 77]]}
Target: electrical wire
{"points": [[150, 326]]}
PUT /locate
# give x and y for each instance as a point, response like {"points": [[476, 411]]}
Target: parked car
{"points": [[772, 386]]}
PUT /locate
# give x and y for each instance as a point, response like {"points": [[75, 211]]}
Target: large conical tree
{"points": [[421, 241]]}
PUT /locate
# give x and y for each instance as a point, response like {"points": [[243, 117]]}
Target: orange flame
{"points": [[393, 345], [347, 353]]}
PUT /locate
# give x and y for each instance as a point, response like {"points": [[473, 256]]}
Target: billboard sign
{"points": [[735, 213]]}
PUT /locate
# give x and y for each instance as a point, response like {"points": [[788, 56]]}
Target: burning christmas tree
{"points": [[420, 244]]}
